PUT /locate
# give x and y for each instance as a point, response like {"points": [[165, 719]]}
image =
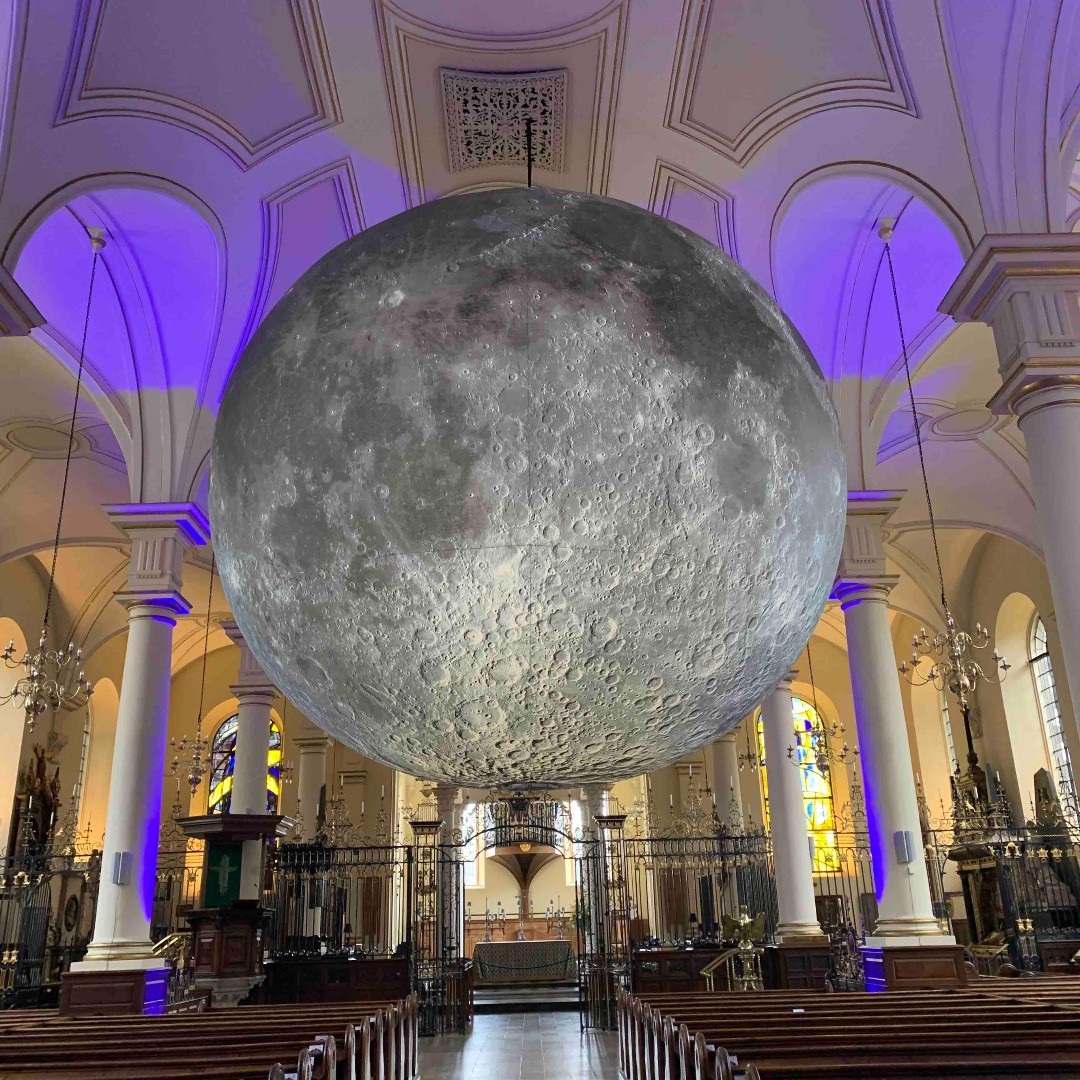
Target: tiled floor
{"points": [[521, 1046]]}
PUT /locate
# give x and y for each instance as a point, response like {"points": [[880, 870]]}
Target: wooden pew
{"points": [[233, 1044], [791, 1034]]}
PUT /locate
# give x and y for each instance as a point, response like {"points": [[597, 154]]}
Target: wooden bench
{"points": [[235, 1044], [793, 1034]]}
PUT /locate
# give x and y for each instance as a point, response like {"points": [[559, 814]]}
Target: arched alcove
{"points": [[94, 804], [12, 729], [1012, 631]]}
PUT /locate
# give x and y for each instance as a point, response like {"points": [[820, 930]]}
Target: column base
{"points": [[117, 992], [119, 956], [911, 966], [800, 933]]}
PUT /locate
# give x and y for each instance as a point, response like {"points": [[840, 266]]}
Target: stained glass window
{"points": [[816, 786], [223, 762], [1046, 688]]}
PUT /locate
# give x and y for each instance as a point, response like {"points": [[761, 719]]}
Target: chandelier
{"points": [[191, 756], [816, 745], [945, 659], [53, 678]]}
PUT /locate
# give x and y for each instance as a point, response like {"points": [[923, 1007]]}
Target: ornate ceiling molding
{"points": [[485, 110], [404, 35], [669, 181], [341, 185], [893, 91], [80, 99], [18, 316]]}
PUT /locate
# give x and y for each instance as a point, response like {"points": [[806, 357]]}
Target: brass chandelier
{"points": [[54, 678], [946, 659], [818, 743]]}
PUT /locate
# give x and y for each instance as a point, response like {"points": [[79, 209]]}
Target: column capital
{"points": [[1027, 289], [160, 533], [252, 679], [246, 694], [446, 799], [313, 744], [851, 591], [786, 680], [863, 551]]}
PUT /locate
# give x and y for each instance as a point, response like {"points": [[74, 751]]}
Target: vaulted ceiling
{"points": [[225, 147]]}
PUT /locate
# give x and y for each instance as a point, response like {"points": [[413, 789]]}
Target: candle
{"points": [[671, 801], [361, 807], [383, 795]]}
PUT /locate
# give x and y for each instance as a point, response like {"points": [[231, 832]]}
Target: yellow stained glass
{"points": [[816, 786], [223, 761]]}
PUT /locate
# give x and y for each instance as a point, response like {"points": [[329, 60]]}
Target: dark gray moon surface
{"points": [[526, 488]]}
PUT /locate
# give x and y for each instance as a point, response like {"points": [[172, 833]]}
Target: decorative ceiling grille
{"points": [[485, 117]]}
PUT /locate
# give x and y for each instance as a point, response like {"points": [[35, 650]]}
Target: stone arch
{"points": [[158, 308], [1012, 632], [94, 804], [12, 729]]}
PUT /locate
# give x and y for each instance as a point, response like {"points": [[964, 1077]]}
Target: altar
{"points": [[523, 961]]}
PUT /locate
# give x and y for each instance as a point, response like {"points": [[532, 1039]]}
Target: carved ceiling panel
{"points": [[251, 76], [742, 75], [694, 203], [416, 52], [486, 114]]}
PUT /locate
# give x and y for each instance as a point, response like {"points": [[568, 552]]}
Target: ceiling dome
{"points": [[526, 488]]}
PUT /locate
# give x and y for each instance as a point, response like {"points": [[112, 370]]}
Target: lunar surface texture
{"points": [[527, 488]]}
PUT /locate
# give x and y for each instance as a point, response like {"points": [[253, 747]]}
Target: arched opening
{"points": [[1046, 691], [809, 753], [12, 730], [223, 764]]}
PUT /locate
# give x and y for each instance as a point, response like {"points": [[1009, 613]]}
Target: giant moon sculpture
{"points": [[526, 488]]}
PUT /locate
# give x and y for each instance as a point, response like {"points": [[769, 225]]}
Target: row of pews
{"points": [[1025, 1029], [371, 1040]]}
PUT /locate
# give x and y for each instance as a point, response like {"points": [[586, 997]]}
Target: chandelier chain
{"points": [[71, 441], [915, 420]]}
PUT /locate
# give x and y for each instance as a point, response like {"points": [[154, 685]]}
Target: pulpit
{"points": [[226, 930]]}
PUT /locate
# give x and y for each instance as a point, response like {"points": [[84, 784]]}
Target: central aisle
{"points": [[522, 1046]]}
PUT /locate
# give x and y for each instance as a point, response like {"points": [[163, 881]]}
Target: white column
{"points": [[725, 777], [311, 777], [792, 865], [596, 799], [905, 912], [159, 536], [255, 695], [1027, 289], [892, 810]]}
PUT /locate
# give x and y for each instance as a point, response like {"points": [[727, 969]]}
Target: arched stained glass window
{"points": [[223, 762], [1046, 688], [816, 786]]}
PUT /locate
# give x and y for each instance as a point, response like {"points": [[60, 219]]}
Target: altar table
{"points": [[523, 961]]}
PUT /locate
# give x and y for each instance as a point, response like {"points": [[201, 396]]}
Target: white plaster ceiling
{"points": [[225, 147]]}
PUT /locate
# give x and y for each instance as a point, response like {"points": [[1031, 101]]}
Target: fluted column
{"points": [[792, 864], [310, 781], [1027, 289], [255, 695], [159, 535], [905, 911]]}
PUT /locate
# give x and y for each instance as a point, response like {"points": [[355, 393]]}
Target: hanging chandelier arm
{"points": [[206, 642], [98, 243], [915, 421]]}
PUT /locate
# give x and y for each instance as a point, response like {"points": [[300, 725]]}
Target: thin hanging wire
{"points": [[915, 419], [813, 686], [206, 645], [71, 437]]}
